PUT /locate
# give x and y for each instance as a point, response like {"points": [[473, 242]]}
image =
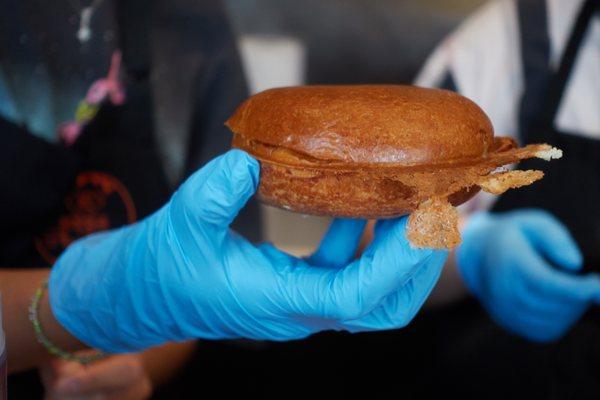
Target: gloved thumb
{"points": [[215, 194]]}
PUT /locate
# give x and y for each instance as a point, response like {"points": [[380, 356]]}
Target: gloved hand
{"points": [[521, 265], [182, 273]]}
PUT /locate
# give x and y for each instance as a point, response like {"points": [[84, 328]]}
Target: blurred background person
{"points": [[532, 260], [114, 103]]}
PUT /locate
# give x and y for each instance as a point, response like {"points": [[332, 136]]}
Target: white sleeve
{"points": [[436, 67], [482, 58]]}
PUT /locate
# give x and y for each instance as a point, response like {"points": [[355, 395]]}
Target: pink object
{"points": [[108, 87], [69, 132]]}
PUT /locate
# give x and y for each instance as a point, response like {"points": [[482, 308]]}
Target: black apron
{"points": [[571, 186], [483, 360], [112, 175]]}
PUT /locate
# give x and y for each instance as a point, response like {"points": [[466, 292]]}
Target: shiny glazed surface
{"points": [[381, 124]]}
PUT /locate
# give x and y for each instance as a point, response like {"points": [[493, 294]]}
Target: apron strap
{"points": [[134, 20], [535, 56], [560, 79]]}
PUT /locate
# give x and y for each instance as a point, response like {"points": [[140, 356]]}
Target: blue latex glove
{"points": [[339, 247], [182, 274], [507, 260]]}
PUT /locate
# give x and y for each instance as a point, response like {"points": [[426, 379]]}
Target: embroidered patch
{"points": [[98, 202]]}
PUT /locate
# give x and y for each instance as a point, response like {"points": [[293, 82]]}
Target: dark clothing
{"points": [[571, 187], [116, 172]]}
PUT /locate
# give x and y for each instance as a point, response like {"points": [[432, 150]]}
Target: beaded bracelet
{"points": [[43, 339]]}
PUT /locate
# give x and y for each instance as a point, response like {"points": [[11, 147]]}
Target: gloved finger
{"points": [[399, 308], [384, 225], [543, 280], [351, 292], [538, 329], [525, 298], [389, 261], [529, 326], [338, 246], [583, 289], [536, 332], [550, 282], [551, 238], [216, 193], [549, 309], [425, 280]]}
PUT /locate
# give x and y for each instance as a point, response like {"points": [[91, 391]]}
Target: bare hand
{"points": [[121, 377]]}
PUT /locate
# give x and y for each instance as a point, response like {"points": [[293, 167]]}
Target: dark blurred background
{"points": [[350, 41]]}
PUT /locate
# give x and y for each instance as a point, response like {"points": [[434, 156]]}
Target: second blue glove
{"points": [[521, 265]]}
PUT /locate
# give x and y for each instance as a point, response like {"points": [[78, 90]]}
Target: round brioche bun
{"points": [[368, 151]]}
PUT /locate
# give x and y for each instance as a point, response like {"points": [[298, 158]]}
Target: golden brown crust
{"points": [[434, 225], [404, 125], [359, 194], [378, 152], [501, 182]]}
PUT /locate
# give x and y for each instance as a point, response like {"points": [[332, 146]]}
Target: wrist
{"points": [[107, 289], [43, 323], [88, 288]]}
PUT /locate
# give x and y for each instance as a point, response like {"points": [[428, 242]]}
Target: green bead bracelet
{"points": [[43, 339]]}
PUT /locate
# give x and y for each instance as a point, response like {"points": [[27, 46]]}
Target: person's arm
{"points": [[128, 376], [17, 288], [182, 274]]}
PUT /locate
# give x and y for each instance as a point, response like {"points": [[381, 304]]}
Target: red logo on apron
{"points": [[98, 202]]}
